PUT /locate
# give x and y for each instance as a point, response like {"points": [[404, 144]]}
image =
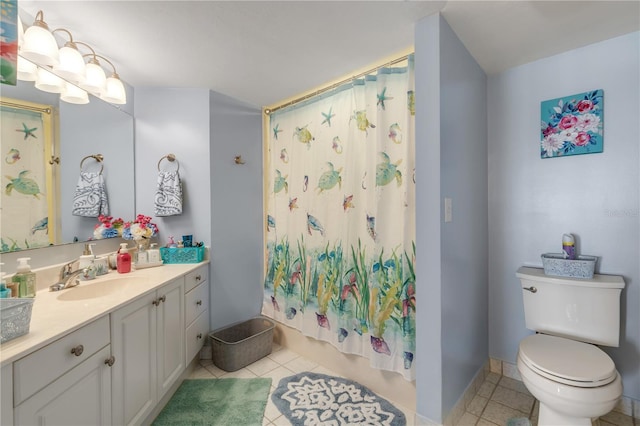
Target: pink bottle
{"points": [[123, 260]]}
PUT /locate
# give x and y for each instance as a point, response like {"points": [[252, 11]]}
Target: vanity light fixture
{"points": [[74, 95], [48, 82], [71, 66], [96, 80], [39, 44], [62, 71], [114, 88], [26, 69]]}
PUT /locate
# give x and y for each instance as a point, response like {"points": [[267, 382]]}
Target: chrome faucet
{"points": [[66, 279]]}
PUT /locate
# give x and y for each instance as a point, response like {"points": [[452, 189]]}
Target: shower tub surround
{"points": [[83, 339]]}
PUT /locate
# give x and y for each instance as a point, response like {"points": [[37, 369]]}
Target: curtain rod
{"points": [[27, 107], [333, 86]]}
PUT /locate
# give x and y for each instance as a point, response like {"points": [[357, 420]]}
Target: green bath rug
{"points": [[518, 421], [220, 402]]}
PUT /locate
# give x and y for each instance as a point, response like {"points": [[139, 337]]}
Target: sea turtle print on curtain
{"points": [[340, 218]]}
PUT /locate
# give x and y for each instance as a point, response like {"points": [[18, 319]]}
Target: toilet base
{"points": [[549, 417]]}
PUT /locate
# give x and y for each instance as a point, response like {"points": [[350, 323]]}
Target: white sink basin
{"points": [[91, 290]]}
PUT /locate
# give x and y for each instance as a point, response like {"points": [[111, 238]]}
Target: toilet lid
{"points": [[567, 361]]}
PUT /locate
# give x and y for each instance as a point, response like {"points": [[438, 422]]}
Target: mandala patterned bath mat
{"points": [[317, 399]]}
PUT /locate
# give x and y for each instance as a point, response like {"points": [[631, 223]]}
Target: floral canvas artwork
{"points": [[572, 125]]}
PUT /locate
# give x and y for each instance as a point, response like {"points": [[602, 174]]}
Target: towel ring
{"points": [[171, 158], [98, 157]]}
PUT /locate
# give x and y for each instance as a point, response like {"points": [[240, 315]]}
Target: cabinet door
{"points": [[6, 390], [170, 317], [133, 340], [82, 396]]}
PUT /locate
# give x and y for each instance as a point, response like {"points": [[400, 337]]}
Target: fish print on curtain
{"points": [[25, 211], [341, 218]]}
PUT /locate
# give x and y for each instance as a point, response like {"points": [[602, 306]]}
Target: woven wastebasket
{"points": [[239, 345]]}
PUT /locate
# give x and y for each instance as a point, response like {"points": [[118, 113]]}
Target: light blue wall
{"points": [[235, 210], [451, 152], [532, 202], [222, 201], [97, 128], [428, 219], [174, 121], [463, 178]]}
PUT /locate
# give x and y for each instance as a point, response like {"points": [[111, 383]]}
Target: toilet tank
{"points": [[586, 310]]}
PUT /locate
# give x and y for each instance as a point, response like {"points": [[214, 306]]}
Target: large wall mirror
{"points": [[78, 132]]}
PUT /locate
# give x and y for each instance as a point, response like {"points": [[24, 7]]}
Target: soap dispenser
{"points": [[87, 257], [25, 278], [5, 292], [123, 260]]}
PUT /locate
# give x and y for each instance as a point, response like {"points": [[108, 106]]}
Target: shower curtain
{"points": [[340, 218]]}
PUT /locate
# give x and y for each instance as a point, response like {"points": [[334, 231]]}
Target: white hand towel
{"points": [[168, 199], [90, 198]]}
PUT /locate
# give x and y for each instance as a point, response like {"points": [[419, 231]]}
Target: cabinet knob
{"points": [[163, 298], [77, 351], [198, 277], [156, 302], [199, 336], [199, 303], [110, 361]]}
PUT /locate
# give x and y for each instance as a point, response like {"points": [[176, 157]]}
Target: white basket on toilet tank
{"points": [[572, 316]]}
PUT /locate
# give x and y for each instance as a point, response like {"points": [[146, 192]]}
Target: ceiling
{"points": [[263, 52]]}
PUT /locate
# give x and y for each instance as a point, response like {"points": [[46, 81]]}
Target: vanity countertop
{"points": [[58, 313]]}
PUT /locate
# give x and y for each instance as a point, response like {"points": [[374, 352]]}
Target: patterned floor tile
{"points": [[498, 413], [517, 400]]}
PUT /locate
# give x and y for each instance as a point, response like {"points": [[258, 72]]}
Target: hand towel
{"points": [[90, 197], [168, 199]]}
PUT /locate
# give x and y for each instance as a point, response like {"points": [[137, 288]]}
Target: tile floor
{"points": [[498, 399], [501, 398]]}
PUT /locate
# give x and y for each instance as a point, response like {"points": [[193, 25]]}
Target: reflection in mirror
{"points": [[77, 131]]}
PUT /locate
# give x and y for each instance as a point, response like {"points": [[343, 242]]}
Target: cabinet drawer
{"points": [[196, 335], [196, 277], [42, 367], [196, 302]]}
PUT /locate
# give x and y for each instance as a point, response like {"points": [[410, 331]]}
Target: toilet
{"points": [[572, 378]]}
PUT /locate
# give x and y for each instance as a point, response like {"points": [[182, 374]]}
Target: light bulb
{"points": [[115, 92], [74, 95], [39, 44], [71, 66], [96, 79], [27, 71], [47, 82]]}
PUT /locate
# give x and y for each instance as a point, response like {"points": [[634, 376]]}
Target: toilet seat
{"points": [[567, 361]]}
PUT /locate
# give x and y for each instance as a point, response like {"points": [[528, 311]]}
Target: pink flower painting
{"points": [[572, 125]]}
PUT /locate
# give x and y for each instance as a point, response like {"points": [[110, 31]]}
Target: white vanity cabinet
{"points": [[196, 310], [67, 382], [6, 394], [147, 338]]}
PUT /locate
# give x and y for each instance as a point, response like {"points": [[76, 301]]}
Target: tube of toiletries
{"points": [[25, 278], [154, 253], [124, 259], [569, 246]]}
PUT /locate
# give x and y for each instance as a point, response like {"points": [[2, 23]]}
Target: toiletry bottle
{"points": [[25, 279], [87, 256], [154, 253], [568, 246], [5, 292], [124, 259], [142, 257], [171, 243]]}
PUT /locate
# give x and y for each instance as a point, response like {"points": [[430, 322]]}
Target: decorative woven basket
{"points": [[182, 255], [556, 264], [15, 318]]}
